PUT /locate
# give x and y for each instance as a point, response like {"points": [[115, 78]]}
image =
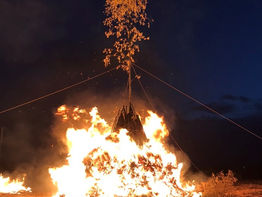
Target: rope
{"points": [[200, 103], [174, 140], [55, 92], [142, 87], [171, 137]]}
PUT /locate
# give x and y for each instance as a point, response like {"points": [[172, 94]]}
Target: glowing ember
{"points": [[12, 187], [102, 163]]}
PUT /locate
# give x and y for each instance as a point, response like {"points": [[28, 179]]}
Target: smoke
{"points": [[29, 150], [187, 173], [35, 143]]}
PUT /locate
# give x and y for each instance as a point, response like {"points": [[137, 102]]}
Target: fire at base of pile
{"points": [[105, 163], [8, 186]]}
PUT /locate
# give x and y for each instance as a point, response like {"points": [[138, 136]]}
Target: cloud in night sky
{"points": [[221, 107], [236, 106], [229, 97]]}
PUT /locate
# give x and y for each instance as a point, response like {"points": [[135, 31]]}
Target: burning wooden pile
{"points": [[130, 161]]}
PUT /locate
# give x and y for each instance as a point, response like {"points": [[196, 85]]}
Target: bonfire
{"points": [[106, 162]]}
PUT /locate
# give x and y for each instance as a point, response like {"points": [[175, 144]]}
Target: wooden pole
{"points": [[129, 82]]}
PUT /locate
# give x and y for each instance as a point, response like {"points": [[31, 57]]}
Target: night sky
{"points": [[212, 50]]}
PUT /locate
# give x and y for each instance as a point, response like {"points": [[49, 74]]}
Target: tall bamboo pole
{"points": [[129, 81]]}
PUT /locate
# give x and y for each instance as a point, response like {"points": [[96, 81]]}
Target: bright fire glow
{"points": [[103, 163], [12, 186]]}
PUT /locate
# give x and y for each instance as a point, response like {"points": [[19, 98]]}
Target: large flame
{"points": [[12, 186], [106, 163]]}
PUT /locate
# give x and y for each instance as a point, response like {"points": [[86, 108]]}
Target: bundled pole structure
{"points": [[124, 21]]}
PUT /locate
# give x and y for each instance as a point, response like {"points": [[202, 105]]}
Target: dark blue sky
{"points": [[216, 45], [209, 49]]}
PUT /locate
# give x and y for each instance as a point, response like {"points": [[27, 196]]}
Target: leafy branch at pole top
{"points": [[123, 20]]}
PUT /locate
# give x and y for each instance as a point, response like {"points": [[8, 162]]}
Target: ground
{"points": [[243, 190], [248, 190]]}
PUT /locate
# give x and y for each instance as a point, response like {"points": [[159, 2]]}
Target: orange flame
{"points": [[12, 186], [102, 163]]}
